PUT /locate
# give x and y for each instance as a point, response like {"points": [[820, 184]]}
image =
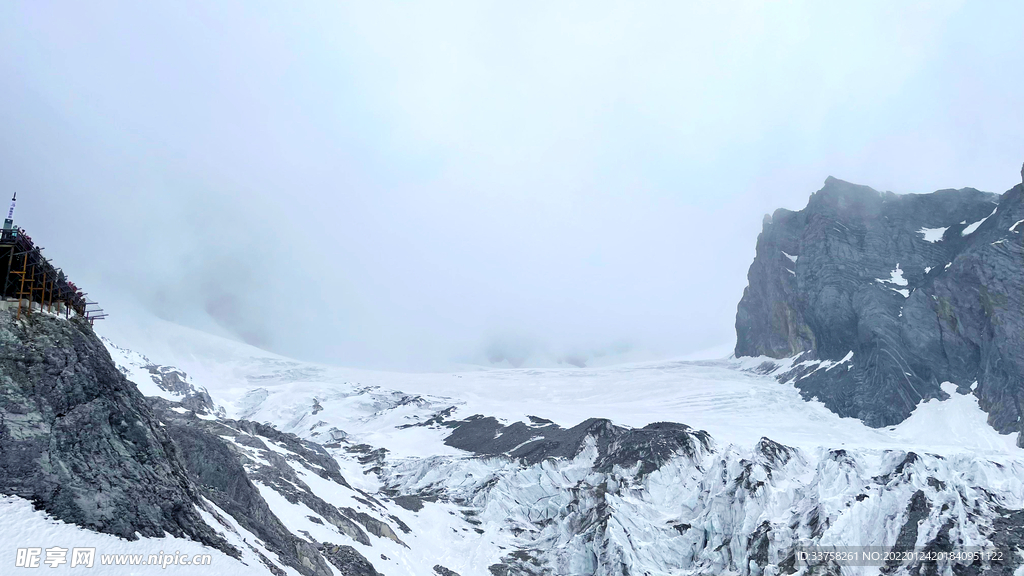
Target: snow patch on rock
{"points": [[932, 235], [970, 229]]}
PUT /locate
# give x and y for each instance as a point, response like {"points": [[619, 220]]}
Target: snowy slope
{"points": [[727, 398], [27, 527]]}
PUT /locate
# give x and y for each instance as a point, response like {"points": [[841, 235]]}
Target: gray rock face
{"points": [[912, 285], [222, 478], [79, 440], [175, 381], [348, 561], [225, 475], [647, 447]]}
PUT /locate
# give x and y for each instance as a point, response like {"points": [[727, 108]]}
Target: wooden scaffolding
{"points": [[30, 278]]}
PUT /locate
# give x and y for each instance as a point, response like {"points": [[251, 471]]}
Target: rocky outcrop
{"points": [[79, 440], [646, 447], [348, 561], [176, 382], [883, 297], [227, 458], [217, 470]]}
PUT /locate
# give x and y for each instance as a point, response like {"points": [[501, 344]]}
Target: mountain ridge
{"points": [[921, 289]]}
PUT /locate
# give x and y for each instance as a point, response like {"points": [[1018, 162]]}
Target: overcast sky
{"points": [[407, 184]]}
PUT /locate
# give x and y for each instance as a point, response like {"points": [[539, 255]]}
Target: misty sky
{"points": [[408, 184]]}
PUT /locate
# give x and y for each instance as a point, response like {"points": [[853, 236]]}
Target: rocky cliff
{"points": [[879, 298], [80, 441]]}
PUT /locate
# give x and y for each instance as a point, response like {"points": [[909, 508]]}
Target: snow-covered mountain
{"points": [[159, 441], [311, 469]]}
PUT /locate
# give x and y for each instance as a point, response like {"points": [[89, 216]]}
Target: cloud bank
{"points": [[408, 185]]}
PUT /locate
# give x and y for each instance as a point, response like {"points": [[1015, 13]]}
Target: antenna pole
{"points": [[9, 222]]}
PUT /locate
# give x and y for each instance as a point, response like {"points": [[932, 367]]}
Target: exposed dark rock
{"points": [[348, 561], [520, 563], [176, 382], [917, 511], [649, 446], [959, 316], [681, 527], [900, 469], [372, 457], [219, 472], [774, 453], [758, 543], [410, 503], [310, 454], [373, 526], [941, 543], [442, 571], [79, 440], [1007, 534], [434, 421]]}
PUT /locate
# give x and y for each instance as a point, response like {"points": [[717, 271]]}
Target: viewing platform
{"points": [[31, 283]]}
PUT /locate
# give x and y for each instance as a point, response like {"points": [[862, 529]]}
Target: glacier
{"points": [[755, 470]]}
